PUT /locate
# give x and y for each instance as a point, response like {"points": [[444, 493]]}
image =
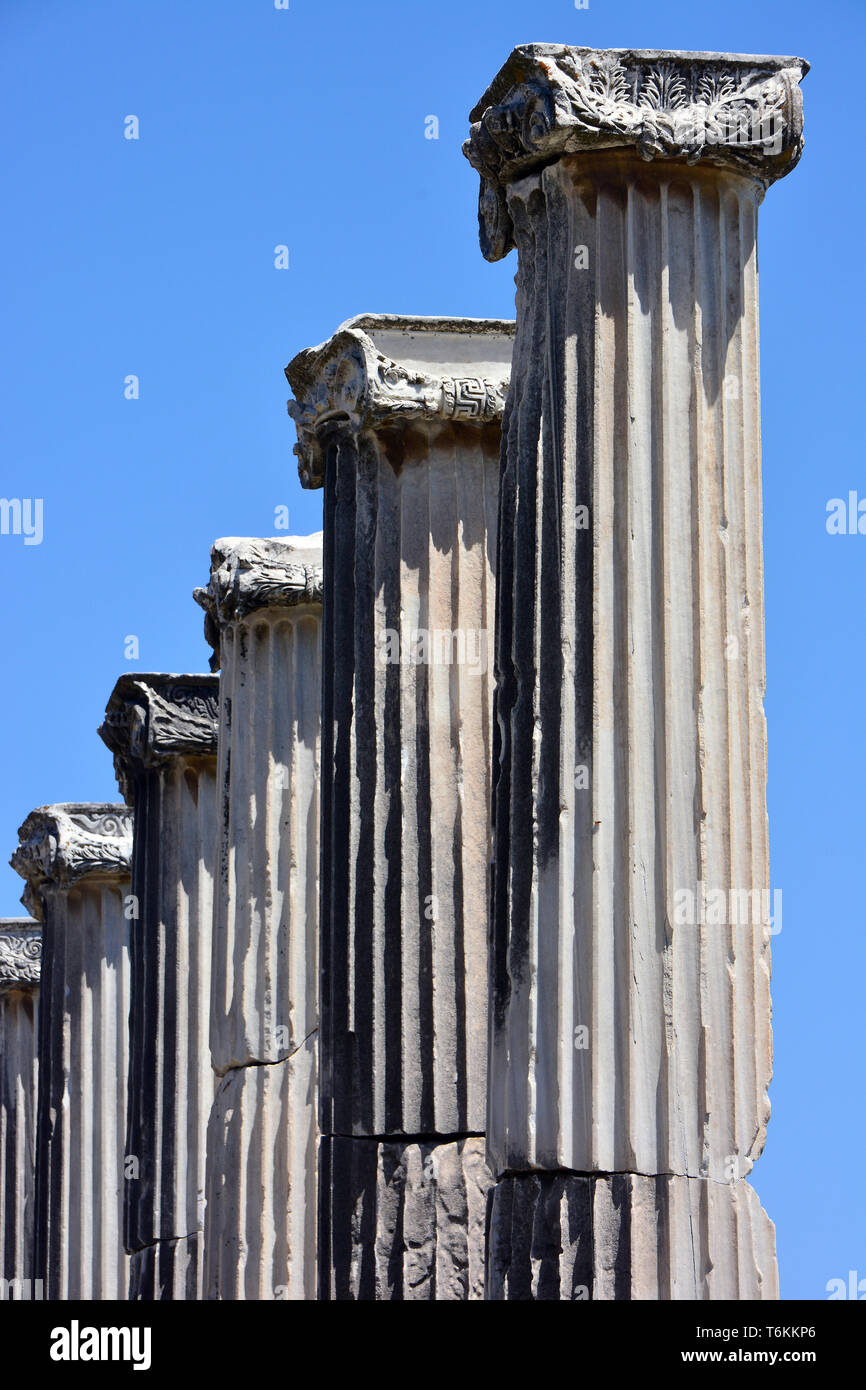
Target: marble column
{"points": [[263, 605], [20, 965], [399, 422], [76, 860], [630, 1040], [162, 730]]}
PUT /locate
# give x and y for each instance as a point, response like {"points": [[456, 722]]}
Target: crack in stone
{"points": [[411, 1138], [257, 1062], [162, 1240]]}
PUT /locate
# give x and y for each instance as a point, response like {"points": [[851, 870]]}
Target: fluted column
{"points": [[76, 860], [20, 965], [399, 421], [162, 730], [631, 916], [263, 606]]}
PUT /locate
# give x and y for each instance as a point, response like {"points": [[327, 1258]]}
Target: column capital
{"points": [[59, 845], [152, 718], [20, 953], [733, 110], [250, 573], [386, 370]]}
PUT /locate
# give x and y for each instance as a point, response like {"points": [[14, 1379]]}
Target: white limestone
{"points": [[76, 860], [20, 967], [162, 730], [630, 656], [263, 606]]}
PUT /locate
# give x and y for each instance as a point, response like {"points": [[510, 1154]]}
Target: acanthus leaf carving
{"points": [[737, 111], [58, 845]]}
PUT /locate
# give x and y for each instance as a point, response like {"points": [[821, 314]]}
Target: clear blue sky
{"points": [[154, 257]]}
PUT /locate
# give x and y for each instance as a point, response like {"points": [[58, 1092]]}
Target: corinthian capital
{"points": [[151, 718], [384, 370], [252, 573], [20, 954], [732, 110], [58, 845]]}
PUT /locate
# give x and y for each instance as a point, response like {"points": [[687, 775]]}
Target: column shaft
{"points": [[633, 648]]}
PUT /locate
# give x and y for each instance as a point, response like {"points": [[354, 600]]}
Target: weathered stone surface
{"points": [[76, 859], [263, 603], [406, 1220], [630, 759], [625, 1236], [20, 968], [162, 730], [261, 1199]]}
